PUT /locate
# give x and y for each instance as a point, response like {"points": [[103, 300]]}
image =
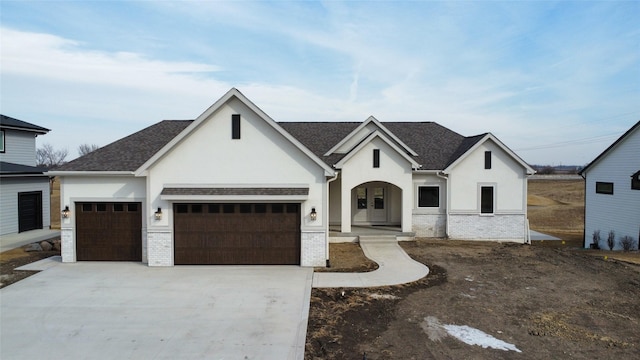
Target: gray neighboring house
{"points": [[24, 188], [612, 191]]}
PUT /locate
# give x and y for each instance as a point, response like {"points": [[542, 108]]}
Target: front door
{"points": [[370, 204]]}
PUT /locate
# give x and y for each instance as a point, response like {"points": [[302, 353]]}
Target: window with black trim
{"points": [[376, 158], [1, 141], [486, 199], [235, 126], [487, 159], [635, 181], [428, 196], [604, 188]]}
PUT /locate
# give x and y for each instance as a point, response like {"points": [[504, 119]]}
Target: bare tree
{"points": [[84, 149], [47, 156]]}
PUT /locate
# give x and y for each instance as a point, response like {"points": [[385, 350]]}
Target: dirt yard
{"points": [[550, 300], [9, 260]]}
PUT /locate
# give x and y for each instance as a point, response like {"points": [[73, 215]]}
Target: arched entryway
{"points": [[376, 203]]}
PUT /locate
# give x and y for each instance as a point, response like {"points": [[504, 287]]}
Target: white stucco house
{"points": [[612, 190], [24, 188], [236, 187]]}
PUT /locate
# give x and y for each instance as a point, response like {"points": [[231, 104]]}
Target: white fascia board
{"points": [[89, 173], [490, 136], [418, 171], [368, 139], [212, 109], [371, 119], [18, 128], [240, 186]]}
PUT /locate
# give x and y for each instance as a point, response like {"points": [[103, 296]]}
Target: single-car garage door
{"points": [[240, 234], [109, 231]]}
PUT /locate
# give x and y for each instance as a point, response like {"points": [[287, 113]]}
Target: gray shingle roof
{"points": [[9, 122], [131, 152], [436, 146], [235, 191], [7, 168]]}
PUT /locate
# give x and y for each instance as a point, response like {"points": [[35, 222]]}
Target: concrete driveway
{"points": [[111, 310]]}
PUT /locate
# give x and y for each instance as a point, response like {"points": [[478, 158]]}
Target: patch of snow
{"points": [[469, 278], [471, 336], [437, 331], [432, 327], [383, 296]]}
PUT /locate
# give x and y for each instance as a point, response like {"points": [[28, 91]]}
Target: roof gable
{"points": [[611, 148], [370, 138], [361, 132], [472, 143], [233, 93], [7, 122]]}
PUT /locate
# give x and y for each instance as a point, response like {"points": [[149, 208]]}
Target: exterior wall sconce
{"points": [[66, 212], [314, 215], [158, 214]]}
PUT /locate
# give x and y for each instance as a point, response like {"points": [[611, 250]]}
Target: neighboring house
{"points": [[24, 189], [236, 187], [612, 190]]}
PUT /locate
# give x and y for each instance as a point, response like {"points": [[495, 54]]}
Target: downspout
{"points": [[442, 175], [328, 263]]}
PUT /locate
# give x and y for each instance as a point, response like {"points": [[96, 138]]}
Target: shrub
{"points": [[627, 243], [596, 239], [611, 239]]}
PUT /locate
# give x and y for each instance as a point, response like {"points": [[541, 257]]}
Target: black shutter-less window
{"points": [[487, 159], [235, 126], [376, 158]]}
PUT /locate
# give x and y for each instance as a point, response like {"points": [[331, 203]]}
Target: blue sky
{"points": [[557, 82]]}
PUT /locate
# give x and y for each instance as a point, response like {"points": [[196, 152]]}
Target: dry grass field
{"points": [[556, 207]]}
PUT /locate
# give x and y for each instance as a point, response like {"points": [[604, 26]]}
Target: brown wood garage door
{"points": [[237, 234], [109, 231]]}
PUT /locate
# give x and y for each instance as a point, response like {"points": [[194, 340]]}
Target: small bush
{"points": [[596, 239], [611, 239], [627, 243]]}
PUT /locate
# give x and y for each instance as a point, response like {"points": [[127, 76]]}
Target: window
{"points": [[486, 200], [245, 208], [235, 126], [182, 208], [604, 188], [87, 207], [101, 207], [487, 159], [196, 208], [376, 158], [228, 208], [428, 196], [277, 208], [361, 197], [132, 207], [118, 207], [1, 141], [635, 181], [214, 208]]}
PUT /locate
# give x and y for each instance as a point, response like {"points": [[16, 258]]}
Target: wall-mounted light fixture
{"points": [[66, 212], [158, 214], [314, 215]]}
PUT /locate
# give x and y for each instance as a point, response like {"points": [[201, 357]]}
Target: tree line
{"points": [[49, 157]]}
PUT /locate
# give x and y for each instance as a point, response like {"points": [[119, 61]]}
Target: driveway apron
{"points": [[110, 310]]}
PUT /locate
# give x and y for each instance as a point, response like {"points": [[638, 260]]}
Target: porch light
{"points": [[66, 212], [314, 215], [158, 214]]}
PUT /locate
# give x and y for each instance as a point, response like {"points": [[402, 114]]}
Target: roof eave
{"points": [[90, 173]]}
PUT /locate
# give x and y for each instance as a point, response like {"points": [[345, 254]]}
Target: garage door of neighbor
{"points": [[108, 231], [237, 234]]}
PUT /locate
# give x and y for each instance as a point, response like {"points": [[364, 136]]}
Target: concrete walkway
{"points": [[12, 241], [395, 267]]}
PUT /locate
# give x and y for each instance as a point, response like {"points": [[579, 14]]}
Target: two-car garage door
{"points": [[245, 234]]}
